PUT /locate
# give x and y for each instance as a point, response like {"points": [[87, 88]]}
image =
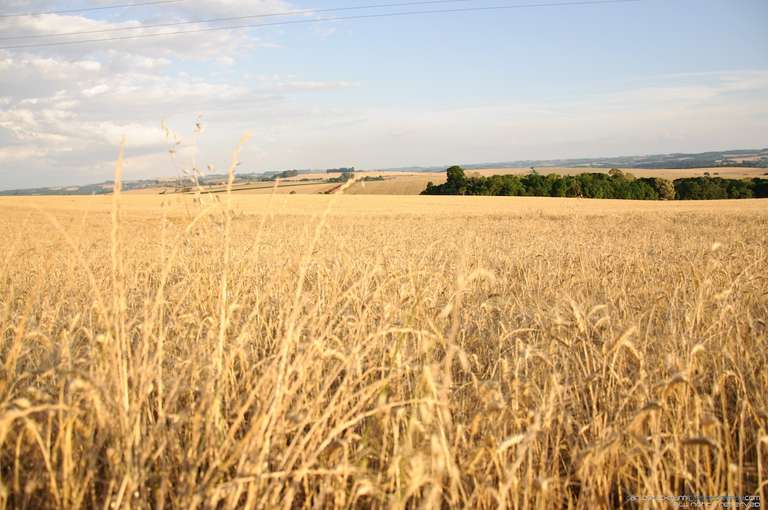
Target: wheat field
{"points": [[380, 352]]}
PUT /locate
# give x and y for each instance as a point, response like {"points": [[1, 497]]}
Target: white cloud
{"points": [[137, 135], [277, 83], [21, 152], [95, 90], [677, 117], [61, 115], [218, 45], [50, 68]]}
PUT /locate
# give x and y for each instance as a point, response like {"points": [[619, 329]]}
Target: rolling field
{"points": [[335, 351], [413, 183], [251, 188]]}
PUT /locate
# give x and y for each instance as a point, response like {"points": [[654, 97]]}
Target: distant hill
{"points": [[106, 187], [748, 158]]}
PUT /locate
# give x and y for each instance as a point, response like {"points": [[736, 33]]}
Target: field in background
{"points": [[287, 186], [185, 206], [315, 351], [413, 183]]}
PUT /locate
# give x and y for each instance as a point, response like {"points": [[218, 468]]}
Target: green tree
{"points": [[457, 180], [739, 188], [701, 188], [558, 188], [573, 187], [640, 190], [760, 188], [536, 185], [664, 188]]}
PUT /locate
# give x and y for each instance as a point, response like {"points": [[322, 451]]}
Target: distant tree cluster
{"points": [[712, 188], [343, 170], [344, 177], [286, 174], [614, 184]]}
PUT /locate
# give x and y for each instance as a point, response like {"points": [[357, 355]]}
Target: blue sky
{"points": [[548, 82], [531, 53]]}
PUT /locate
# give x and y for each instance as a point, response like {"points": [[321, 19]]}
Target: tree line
{"points": [[614, 184]]}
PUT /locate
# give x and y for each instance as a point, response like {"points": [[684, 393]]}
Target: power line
{"points": [[232, 18], [320, 20], [89, 9]]}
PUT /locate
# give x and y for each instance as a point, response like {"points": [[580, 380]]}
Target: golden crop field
{"points": [[334, 351]]}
